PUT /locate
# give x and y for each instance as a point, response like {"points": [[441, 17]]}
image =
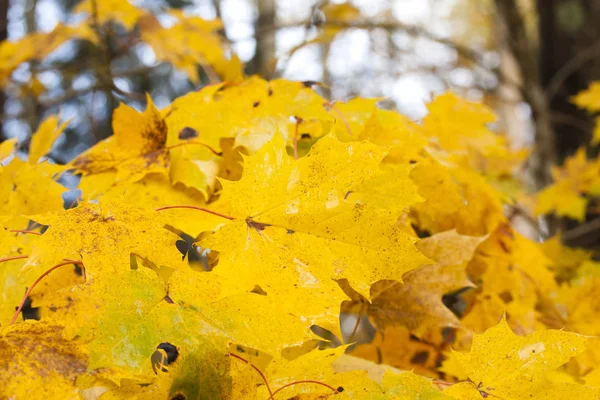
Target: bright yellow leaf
{"points": [[104, 237], [43, 139], [111, 10], [39, 363], [504, 365]]}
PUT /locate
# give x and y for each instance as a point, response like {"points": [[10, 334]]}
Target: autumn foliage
{"points": [[338, 250]]}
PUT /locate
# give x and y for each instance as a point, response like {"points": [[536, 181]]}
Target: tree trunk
{"points": [[514, 32], [569, 32], [264, 55]]}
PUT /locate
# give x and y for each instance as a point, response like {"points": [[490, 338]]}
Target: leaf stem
{"points": [[197, 208], [264, 378], [306, 381], [12, 258], [67, 262], [298, 122], [358, 317], [25, 231], [212, 150], [342, 116]]}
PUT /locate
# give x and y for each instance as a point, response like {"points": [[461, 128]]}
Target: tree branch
{"points": [[584, 56], [515, 34]]}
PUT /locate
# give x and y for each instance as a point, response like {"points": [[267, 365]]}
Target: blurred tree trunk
{"points": [[514, 33], [264, 55], [569, 44], [3, 36], [556, 65], [563, 62], [31, 103]]}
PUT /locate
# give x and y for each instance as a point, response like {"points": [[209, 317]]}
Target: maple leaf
{"points": [[43, 139], [28, 189], [7, 148], [590, 100], [37, 46], [104, 237], [455, 199], [139, 148], [136, 149], [295, 226], [397, 347], [456, 124], [111, 10], [22, 182], [566, 196], [417, 302], [244, 319], [38, 362], [251, 112], [391, 189], [516, 270], [339, 382], [154, 191], [189, 43], [566, 261], [353, 114], [389, 128], [502, 364]]}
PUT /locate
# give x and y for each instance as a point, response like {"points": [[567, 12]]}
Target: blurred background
{"points": [[524, 58]]}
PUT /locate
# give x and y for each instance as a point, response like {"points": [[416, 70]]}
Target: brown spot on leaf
{"points": [[256, 225], [187, 133]]}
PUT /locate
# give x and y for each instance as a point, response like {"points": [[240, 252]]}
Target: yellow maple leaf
{"points": [[38, 362], [566, 261], [456, 124], [353, 115], [43, 139], [154, 191], [111, 10], [517, 272], [343, 14], [389, 128], [28, 189], [251, 112], [342, 382], [293, 220], [245, 319], [391, 189], [455, 198], [189, 43], [125, 231], [7, 148], [589, 99], [136, 148], [502, 364], [417, 302], [38, 45], [578, 177], [395, 346]]}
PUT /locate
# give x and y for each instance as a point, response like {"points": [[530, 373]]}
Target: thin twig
{"points": [[572, 235], [581, 58]]}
